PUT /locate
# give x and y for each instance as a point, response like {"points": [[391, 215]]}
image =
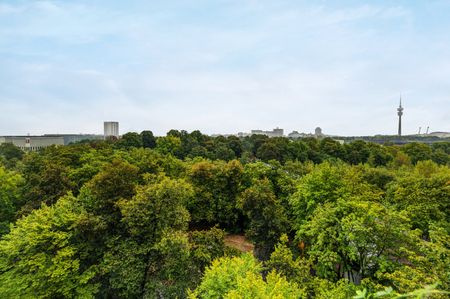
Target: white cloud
{"points": [[67, 67]]}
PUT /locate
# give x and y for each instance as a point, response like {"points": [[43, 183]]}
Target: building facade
{"points": [[277, 132], [35, 143], [111, 129]]}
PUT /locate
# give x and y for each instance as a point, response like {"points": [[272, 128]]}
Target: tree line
{"points": [[147, 217]]}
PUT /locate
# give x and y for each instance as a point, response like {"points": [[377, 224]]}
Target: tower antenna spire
{"points": [[400, 113]]}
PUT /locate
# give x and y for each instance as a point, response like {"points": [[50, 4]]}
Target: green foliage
{"points": [[324, 289], [155, 208], [217, 186], [47, 186], [273, 149], [239, 277], [130, 139], [148, 140], [423, 194], [379, 155], [294, 269], [11, 154], [206, 246], [267, 217], [324, 184], [123, 268], [274, 286], [331, 148], [9, 197], [168, 145], [350, 239], [390, 293], [328, 219], [115, 181], [42, 256], [417, 151], [171, 271], [357, 152]]}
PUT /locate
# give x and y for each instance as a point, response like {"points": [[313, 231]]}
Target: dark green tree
{"points": [[130, 139], [417, 151], [332, 148], [11, 154], [356, 152], [267, 217], [148, 140]]}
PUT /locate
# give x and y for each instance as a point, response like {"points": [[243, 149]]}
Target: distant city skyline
{"points": [[224, 67]]}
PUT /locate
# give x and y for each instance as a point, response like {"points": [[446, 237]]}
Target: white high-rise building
{"points": [[111, 129]]}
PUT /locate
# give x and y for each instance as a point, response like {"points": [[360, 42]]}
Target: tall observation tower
{"points": [[400, 113]]}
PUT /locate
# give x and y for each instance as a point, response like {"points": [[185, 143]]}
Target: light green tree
{"points": [[9, 197], [240, 277], [42, 257]]}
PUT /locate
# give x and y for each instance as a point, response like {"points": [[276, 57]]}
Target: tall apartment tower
{"points": [[400, 113], [111, 129]]}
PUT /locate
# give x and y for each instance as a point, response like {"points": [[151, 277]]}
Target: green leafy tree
{"points": [[267, 217], [240, 277], [42, 256], [332, 149], [324, 184], [11, 153], [298, 151], [148, 140], [217, 186], [235, 144], [353, 239], [155, 209], [130, 139], [378, 177], [282, 260], [45, 186], [117, 180], [123, 268], [314, 152], [417, 151], [379, 155], [168, 145], [422, 194], [278, 148], [357, 152], [207, 245], [9, 197], [171, 271]]}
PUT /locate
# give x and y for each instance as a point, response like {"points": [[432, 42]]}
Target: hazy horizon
{"points": [[224, 66]]}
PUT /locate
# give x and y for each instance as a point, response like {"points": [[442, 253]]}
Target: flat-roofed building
{"points": [[35, 143], [111, 129], [277, 132]]}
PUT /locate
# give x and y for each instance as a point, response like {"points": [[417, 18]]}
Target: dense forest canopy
{"points": [[150, 217]]}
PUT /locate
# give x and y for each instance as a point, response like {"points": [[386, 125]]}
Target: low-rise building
{"points": [[439, 134], [277, 132], [35, 143]]}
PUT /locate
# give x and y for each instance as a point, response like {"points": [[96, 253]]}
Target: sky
{"points": [[224, 66]]}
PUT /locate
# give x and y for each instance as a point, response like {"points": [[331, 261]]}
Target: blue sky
{"points": [[224, 66]]}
